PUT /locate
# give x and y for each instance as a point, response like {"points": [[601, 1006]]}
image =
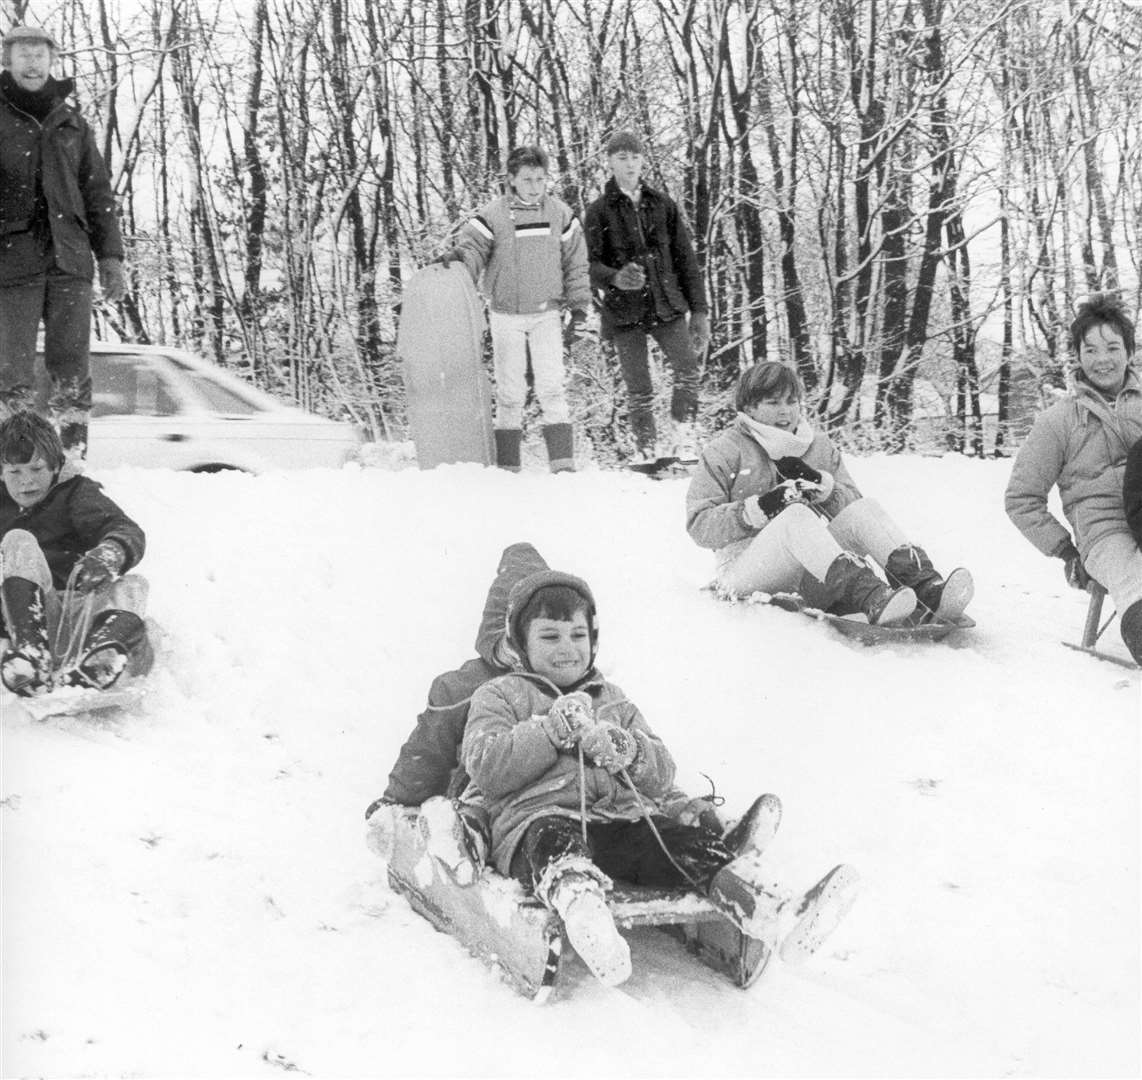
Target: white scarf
{"points": [[777, 442]]}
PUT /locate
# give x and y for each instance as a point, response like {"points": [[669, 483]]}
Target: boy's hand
{"points": [[1077, 577], [699, 331], [630, 278], [100, 566], [608, 745], [816, 486], [761, 509], [569, 714], [112, 280], [576, 329]]}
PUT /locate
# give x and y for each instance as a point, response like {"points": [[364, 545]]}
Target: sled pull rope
{"points": [[72, 632], [582, 794], [654, 829]]}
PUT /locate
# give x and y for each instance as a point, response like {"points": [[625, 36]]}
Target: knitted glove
{"points": [[1077, 577], [758, 510], [576, 328], [100, 566], [447, 258], [112, 280], [630, 278], [569, 714], [608, 745], [699, 331]]}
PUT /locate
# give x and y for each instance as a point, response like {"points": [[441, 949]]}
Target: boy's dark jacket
{"points": [[654, 236], [69, 521], [429, 758]]}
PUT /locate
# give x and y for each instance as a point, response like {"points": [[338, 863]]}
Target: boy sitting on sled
{"points": [[68, 618], [428, 773], [1081, 444], [573, 779]]}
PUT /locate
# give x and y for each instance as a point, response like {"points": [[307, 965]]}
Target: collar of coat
{"points": [[38, 103], [1090, 396], [614, 192]]}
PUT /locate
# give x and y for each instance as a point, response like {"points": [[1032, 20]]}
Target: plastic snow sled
{"points": [[440, 342], [498, 922], [856, 627]]}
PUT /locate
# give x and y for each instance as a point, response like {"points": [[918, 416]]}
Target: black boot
{"points": [[26, 666], [1131, 626], [757, 827], [560, 447], [945, 598], [508, 442], [116, 642], [850, 587]]}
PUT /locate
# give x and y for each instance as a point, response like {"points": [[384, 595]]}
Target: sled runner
{"points": [[77, 702], [855, 627], [664, 467], [498, 922], [440, 343], [1092, 632]]}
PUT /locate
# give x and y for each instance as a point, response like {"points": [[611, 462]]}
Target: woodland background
{"points": [[904, 198]]}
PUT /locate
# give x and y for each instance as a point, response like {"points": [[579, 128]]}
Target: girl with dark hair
{"points": [[773, 498]]}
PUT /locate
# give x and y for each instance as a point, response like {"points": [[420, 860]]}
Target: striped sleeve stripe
{"points": [[482, 227], [534, 228]]}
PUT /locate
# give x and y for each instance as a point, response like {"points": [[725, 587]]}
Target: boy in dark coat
{"points": [[63, 548], [574, 782], [1132, 492], [644, 269]]}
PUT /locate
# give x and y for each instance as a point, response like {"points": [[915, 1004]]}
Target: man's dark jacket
{"points": [[1132, 491], [73, 200], [653, 235]]}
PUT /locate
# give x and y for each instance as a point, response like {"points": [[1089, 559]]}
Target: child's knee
{"points": [[22, 557]]}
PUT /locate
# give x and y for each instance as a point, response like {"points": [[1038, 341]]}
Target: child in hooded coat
{"points": [[573, 780]]}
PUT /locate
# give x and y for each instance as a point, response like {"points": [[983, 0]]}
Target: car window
{"points": [[129, 385], [221, 399]]}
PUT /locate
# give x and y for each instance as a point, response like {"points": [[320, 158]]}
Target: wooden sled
{"points": [[498, 922], [855, 627], [1092, 631]]}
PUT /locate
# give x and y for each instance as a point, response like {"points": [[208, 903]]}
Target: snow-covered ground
{"points": [[186, 891]]}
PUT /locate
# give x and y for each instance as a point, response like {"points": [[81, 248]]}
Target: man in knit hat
{"points": [[644, 268], [57, 219]]}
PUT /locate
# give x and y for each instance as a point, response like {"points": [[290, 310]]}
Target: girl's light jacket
{"points": [[520, 775], [1079, 443], [734, 467]]}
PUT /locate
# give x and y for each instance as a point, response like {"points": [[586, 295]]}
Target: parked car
{"points": [[164, 408]]}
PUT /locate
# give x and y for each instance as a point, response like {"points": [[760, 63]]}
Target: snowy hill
{"points": [[186, 892]]}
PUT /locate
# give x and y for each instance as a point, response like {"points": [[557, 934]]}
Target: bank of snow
{"points": [[186, 892]]}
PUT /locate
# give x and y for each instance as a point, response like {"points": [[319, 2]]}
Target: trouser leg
{"points": [[795, 541], [21, 308], [630, 344], [674, 339]]}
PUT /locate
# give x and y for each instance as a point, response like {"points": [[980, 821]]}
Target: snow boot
{"points": [[573, 887], [508, 442], [452, 838], [559, 439], [26, 666], [851, 587], [1130, 625], [116, 641], [945, 598], [685, 443], [746, 895], [808, 922], [757, 827]]}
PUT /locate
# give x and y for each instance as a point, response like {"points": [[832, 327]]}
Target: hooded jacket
{"points": [[1081, 444], [58, 159], [72, 518], [428, 760], [653, 235], [520, 775], [732, 468]]}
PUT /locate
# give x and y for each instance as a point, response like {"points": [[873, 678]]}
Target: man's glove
{"points": [[608, 745], [630, 278], [699, 331], [112, 279], [1077, 577], [100, 566], [760, 509], [576, 328], [447, 258], [569, 714]]}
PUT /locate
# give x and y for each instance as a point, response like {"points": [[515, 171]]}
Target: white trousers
{"points": [[1115, 562], [513, 336], [800, 540]]}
